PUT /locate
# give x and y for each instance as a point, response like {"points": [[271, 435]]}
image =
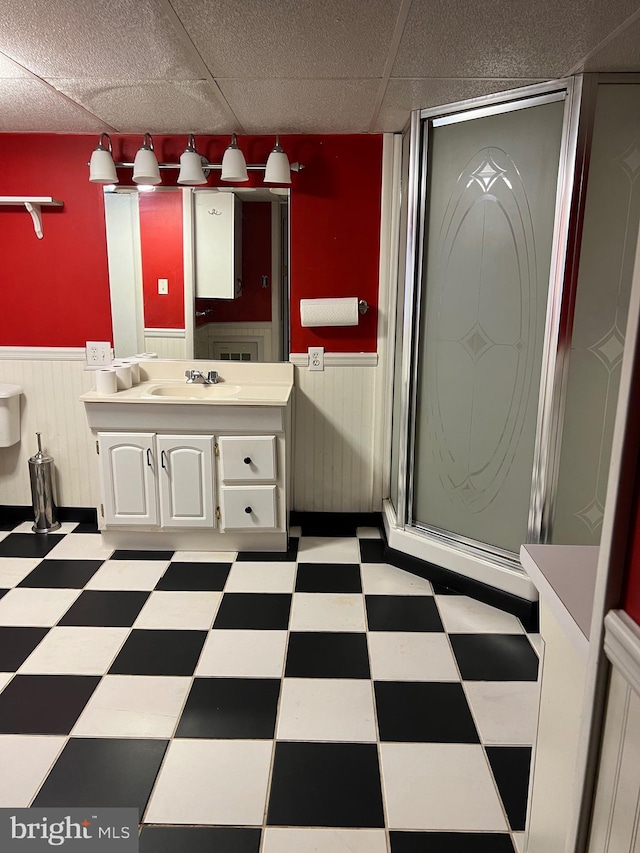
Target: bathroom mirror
{"points": [[199, 272]]}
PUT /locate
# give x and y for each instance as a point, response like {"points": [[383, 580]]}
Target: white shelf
{"points": [[33, 205]]}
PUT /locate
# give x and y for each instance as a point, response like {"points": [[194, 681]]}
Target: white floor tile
{"points": [[27, 527], [368, 533], [4, 534], [15, 569], [506, 712], [295, 532], [440, 787], [327, 611], [192, 610], [81, 546], [336, 710], [30, 758], [139, 706], [537, 642], [212, 782], [5, 678], [463, 615], [35, 607], [321, 549], [382, 579], [280, 840], [520, 840], [204, 556], [411, 656], [75, 651], [261, 577], [128, 574], [250, 654]]}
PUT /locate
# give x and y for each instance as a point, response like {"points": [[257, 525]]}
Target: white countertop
{"points": [[565, 576]]}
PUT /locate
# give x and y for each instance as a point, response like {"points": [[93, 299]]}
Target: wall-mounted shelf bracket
{"points": [[33, 205]]}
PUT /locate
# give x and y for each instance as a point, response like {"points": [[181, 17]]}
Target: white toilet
{"points": [[9, 414]]}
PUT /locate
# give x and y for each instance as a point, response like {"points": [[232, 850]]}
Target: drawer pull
{"points": [[149, 457], [247, 460], [248, 510]]}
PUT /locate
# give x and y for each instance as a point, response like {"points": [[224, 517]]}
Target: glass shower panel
{"points": [[488, 231], [609, 236]]}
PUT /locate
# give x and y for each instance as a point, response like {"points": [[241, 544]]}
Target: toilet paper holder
{"points": [[363, 306]]}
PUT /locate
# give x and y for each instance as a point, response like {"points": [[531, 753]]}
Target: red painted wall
{"points": [[162, 257], [55, 291], [632, 595]]}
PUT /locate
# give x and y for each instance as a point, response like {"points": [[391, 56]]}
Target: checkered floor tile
{"points": [[262, 703]]}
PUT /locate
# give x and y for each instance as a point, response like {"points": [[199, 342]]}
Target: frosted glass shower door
{"points": [[489, 222]]}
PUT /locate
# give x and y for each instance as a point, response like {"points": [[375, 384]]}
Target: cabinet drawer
{"points": [[247, 457], [248, 507]]}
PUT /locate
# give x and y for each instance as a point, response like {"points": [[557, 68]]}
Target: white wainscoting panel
{"points": [[166, 346], [50, 405], [615, 826], [334, 417]]}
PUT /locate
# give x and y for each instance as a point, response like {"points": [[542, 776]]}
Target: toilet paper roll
{"points": [[329, 312], [106, 381], [123, 375], [135, 369]]}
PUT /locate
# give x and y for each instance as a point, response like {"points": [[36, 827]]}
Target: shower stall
{"points": [[520, 212]]}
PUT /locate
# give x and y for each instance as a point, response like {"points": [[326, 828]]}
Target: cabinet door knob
{"points": [[248, 510], [247, 460]]}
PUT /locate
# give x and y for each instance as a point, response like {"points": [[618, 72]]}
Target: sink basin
{"points": [[193, 392]]}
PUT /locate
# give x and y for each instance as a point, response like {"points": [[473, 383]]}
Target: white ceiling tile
{"points": [[10, 70], [620, 54], [403, 96], [156, 106], [302, 106], [504, 38], [123, 39], [28, 105], [291, 38]]}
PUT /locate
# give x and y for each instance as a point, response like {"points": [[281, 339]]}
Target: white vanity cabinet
{"points": [[157, 480], [246, 461]]}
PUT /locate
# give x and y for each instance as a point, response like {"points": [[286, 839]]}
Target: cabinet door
{"points": [[128, 466], [247, 457], [217, 230], [248, 507], [185, 479]]}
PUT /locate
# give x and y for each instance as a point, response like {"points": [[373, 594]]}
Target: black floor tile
{"points": [[495, 657], [288, 556], [8, 525], [121, 554], [372, 551], [328, 577], [329, 654], [29, 544], [158, 652], [44, 704], [105, 608], [12, 516], [3, 592], [231, 708], [195, 577], [254, 611], [403, 613], [111, 772], [199, 839], [335, 524], [16, 644], [62, 574], [326, 784], [450, 842], [439, 589], [511, 765], [426, 712], [86, 527]]}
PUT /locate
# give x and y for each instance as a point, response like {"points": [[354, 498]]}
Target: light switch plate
{"points": [[316, 358], [163, 286]]}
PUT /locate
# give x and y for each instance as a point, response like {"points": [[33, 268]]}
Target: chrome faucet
{"points": [[210, 378]]}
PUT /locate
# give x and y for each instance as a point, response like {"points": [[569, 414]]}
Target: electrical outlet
{"points": [[316, 358], [98, 353]]}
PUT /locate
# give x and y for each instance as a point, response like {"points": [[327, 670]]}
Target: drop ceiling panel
{"points": [[156, 106], [403, 96], [620, 54], [9, 69], [302, 106], [503, 38], [122, 39], [28, 105], [291, 38]]}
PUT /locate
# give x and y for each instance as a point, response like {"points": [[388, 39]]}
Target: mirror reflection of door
{"points": [[199, 272]]}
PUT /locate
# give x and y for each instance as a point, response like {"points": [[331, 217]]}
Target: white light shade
{"points": [[191, 173], [145, 166], [102, 169], [277, 170], [234, 166]]}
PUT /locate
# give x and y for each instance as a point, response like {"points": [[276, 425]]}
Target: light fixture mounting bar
{"points": [[251, 167]]}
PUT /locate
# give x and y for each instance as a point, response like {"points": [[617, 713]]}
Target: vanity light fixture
{"points": [[145, 165], [194, 168], [102, 169]]}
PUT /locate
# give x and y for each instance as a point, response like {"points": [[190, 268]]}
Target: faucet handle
{"points": [[212, 377]]}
